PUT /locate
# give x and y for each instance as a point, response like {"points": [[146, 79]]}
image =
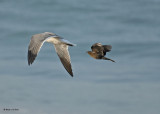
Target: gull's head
{"points": [[48, 34]]}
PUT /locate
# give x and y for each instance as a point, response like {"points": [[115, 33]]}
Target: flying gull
{"points": [[99, 51], [60, 44]]}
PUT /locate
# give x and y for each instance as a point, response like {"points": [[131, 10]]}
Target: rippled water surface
{"points": [[129, 86]]}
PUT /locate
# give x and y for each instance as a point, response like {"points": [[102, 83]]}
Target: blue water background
{"points": [[129, 86]]}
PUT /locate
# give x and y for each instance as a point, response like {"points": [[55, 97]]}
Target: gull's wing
{"points": [[34, 47], [62, 52]]}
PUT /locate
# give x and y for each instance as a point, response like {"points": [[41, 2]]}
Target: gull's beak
{"points": [[55, 36]]}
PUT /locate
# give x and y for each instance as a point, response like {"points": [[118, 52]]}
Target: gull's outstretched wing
{"points": [[34, 47], [62, 52]]}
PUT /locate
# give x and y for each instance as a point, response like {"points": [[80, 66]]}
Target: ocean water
{"points": [[129, 86]]}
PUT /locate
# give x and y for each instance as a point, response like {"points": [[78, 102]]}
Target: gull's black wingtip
{"points": [[71, 74], [31, 57]]}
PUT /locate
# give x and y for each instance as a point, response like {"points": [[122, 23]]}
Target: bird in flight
{"points": [[60, 44], [99, 51]]}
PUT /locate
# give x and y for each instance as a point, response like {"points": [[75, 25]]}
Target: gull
{"points": [[60, 45], [99, 51]]}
